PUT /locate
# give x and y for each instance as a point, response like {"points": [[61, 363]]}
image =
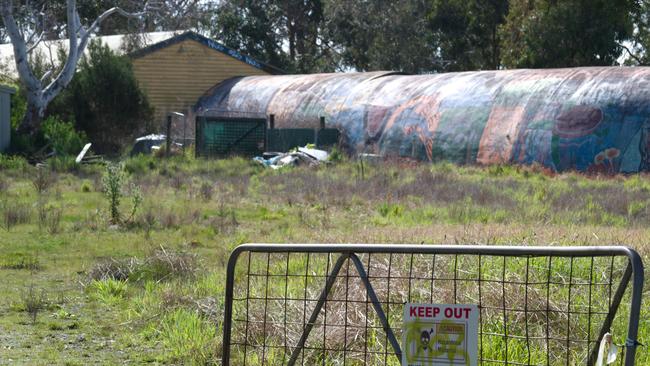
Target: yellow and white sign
{"points": [[440, 334]]}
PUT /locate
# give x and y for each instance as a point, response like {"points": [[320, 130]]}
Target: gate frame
{"points": [[633, 272]]}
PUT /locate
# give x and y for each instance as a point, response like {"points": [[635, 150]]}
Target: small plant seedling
{"points": [[42, 180], [112, 180], [34, 300]]}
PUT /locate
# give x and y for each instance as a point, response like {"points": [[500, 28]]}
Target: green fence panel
{"points": [[230, 136], [327, 137], [221, 136], [285, 139]]}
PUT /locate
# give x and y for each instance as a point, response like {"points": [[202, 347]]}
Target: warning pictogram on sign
{"points": [[440, 334]]}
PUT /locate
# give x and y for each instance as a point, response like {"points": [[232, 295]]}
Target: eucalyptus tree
{"points": [[289, 34], [566, 33], [27, 23]]}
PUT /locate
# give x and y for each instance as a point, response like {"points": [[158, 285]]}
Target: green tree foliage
{"points": [[18, 107], [105, 100], [380, 35], [302, 22], [63, 137], [566, 33], [287, 33], [413, 36], [248, 25], [466, 32], [635, 51], [419, 36]]}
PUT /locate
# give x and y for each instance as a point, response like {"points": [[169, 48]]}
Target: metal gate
{"points": [[216, 136], [342, 304]]}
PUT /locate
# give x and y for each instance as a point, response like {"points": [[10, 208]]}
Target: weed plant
{"points": [[13, 163], [34, 301], [14, 213], [113, 180], [42, 180], [49, 217]]}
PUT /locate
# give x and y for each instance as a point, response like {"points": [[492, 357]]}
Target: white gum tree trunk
{"points": [[39, 93]]}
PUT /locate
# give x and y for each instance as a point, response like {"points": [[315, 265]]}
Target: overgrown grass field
{"points": [[84, 284]]}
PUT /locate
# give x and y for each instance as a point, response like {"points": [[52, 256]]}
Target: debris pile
{"points": [[300, 156]]}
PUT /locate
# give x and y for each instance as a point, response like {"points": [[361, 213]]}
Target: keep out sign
{"points": [[440, 334]]}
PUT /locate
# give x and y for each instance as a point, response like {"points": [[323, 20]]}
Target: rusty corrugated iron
{"points": [[594, 119]]}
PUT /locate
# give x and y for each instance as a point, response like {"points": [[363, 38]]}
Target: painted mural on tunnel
{"points": [[593, 119]]}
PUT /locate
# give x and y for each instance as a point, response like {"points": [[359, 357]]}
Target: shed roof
{"points": [[210, 43]]}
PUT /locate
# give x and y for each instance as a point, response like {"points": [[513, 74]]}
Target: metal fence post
{"points": [[168, 143]]}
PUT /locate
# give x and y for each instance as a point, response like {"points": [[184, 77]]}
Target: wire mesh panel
{"points": [[327, 137], [284, 139], [343, 304], [182, 130], [218, 136]]}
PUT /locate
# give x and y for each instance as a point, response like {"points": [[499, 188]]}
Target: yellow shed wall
{"points": [[176, 76]]}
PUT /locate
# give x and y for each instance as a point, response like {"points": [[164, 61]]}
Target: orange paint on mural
{"points": [[499, 135], [426, 106]]}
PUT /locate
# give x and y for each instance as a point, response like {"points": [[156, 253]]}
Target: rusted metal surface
{"points": [[594, 119]]}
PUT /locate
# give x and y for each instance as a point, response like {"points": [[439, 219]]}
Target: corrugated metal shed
{"points": [[594, 119], [5, 114]]}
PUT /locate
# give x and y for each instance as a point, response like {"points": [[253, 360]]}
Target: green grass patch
{"points": [[187, 338], [20, 260], [109, 291]]}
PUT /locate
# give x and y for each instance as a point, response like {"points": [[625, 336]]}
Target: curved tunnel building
{"points": [[594, 119]]}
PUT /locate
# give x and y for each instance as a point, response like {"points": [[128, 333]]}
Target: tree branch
{"points": [[635, 57], [36, 43], [20, 48], [46, 75], [79, 37], [67, 72], [120, 11]]}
